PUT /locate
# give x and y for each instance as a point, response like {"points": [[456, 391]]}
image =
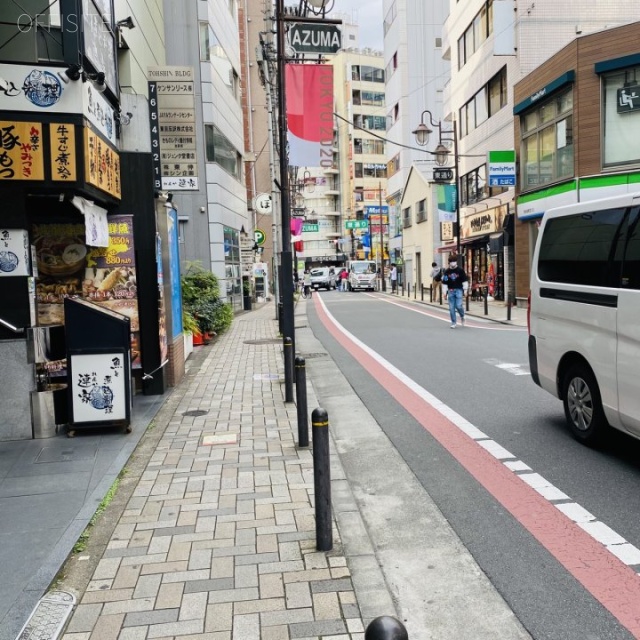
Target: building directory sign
{"points": [[173, 128]]}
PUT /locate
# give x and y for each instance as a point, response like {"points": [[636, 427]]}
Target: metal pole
{"points": [[288, 369], [508, 307], [288, 326], [486, 301], [440, 295], [322, 479], [384, 284], [430, 293], [422, 291], [301, 402], [455, 169], [467, 297]]}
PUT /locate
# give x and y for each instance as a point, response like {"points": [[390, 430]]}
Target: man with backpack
{"points": [[455, 283]]}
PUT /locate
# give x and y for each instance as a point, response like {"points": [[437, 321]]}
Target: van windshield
{"points": [[364, 267], [317, 272]]}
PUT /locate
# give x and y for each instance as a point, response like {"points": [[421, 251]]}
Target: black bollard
{"points": [[301, 402], [280, 319], [509, 307], [288, 369], [440, 295], [415, 292], [486, 301], [430, 293], [386, 628], [408, 289], [322, 479], [467, 301], [422, 292]]}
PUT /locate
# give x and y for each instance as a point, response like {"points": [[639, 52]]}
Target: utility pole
{"points": [[384, 284], [288, 326]]}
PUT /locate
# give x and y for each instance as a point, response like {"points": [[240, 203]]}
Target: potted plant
{"points": [[201, 300], [189, 329]]}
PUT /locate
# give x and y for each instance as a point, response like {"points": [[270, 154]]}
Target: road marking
{"points": [[472, 322], [509, 367], [595, 555]]}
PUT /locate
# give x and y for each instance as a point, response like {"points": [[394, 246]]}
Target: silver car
{"points": [[323, 277]]}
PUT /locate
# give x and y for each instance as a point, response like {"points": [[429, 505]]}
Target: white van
{"points": [[584, 314], [362, 275]]}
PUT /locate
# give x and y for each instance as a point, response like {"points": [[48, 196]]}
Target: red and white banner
{"points": [[310, 114]]}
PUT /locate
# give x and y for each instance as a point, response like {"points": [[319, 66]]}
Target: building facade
{"points": [[574, 118], [491, 47]]}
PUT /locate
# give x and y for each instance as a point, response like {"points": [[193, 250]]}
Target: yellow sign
{"points": [[21, 153], [102, 164], [63, 152]]}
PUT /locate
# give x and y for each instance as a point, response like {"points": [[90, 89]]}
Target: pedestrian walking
{"points": [[306, 280], [344, 275], [455, 283], [436, 279], [393, 276]]}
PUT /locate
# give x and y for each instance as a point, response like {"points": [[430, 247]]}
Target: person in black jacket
{"points": [[454, 286]]}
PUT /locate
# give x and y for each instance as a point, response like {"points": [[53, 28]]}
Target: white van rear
{"points": [[584, 314]]}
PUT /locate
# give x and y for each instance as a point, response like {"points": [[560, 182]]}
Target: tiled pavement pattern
{"points": [[218, 540]]}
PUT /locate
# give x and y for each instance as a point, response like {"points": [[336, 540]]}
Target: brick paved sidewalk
{"points": [[218, 539]]}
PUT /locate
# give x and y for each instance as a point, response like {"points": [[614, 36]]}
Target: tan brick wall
{"points": [[175, 367]]}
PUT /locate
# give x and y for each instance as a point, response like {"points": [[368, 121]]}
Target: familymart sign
{"points": [[502, 168]]}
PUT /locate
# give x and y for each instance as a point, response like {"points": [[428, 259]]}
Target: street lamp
{"points": [[441, 156]]}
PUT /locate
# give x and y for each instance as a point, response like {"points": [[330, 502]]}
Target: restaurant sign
{"points": [[102, 164], [21, 151]]}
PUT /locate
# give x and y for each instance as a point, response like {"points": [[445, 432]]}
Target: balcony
{"points": [[331, 193], [331, 171]]}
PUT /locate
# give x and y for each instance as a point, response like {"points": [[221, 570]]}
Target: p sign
{"points": [[260, 237]]}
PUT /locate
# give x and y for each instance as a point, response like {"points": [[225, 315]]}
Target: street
{"points": [[512, 489]]}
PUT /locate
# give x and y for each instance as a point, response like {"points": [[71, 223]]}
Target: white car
{"points": [[584, 314], [323, 277]]}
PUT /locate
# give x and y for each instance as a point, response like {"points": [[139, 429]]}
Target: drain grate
{"points": [[264, 341], [306, 356], [196, 413], [49, 617]]}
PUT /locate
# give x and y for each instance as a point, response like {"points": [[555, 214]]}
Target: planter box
{"points": [[188, 344]]}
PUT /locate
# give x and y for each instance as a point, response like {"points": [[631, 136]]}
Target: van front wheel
{"points": [[583, 406]]}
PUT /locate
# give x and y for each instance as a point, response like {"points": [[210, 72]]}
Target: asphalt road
{"points": [[481, 372]]}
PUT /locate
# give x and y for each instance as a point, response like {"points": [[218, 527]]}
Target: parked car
{"points": [[323, 277], [584, 305]]}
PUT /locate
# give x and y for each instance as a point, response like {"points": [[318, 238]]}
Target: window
{"points": [[374, 98], [421, 213], [473, 186], [547, 142], [578, 249], [406, 217], [232, 265], [485, 103], [621, 115], [211, 50], [369, 170], [376, 123], [365, 73], [476, 33], [222, 152], [390, 17], [631, 260], [368, 146]]}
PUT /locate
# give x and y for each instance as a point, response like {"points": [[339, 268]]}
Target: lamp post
{"points": [[442, 156]]}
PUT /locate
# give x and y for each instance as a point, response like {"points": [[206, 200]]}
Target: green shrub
{"points": [[201, 299]]}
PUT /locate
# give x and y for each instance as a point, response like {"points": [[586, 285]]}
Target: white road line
{"points": [[612, 541]]}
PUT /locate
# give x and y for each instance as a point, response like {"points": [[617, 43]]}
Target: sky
{"points": [[368, 15]]}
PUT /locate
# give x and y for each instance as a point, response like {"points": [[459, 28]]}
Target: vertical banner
{"points": [[310, 114], [446, 203]]}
